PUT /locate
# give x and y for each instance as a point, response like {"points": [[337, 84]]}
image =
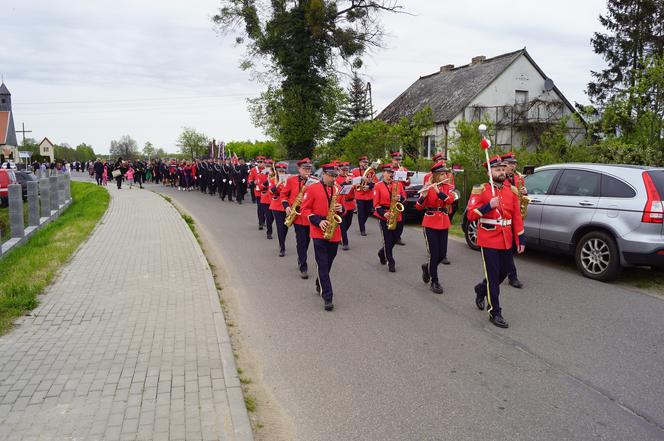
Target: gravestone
{"points": [[33, 204], [16, 210], [53, 184], [45, 196]]}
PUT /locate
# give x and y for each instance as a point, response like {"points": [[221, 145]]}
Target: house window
{"points": [[428, 148], [520, 96], [2, 101]]}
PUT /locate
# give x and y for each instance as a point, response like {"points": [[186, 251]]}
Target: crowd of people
{"points": [[321, 210]]}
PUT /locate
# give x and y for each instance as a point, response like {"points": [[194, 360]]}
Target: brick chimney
{"points": [[446, 68], [477, 60]]}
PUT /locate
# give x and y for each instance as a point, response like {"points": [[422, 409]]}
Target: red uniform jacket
{"points": [[262, 182], [194, 172], [254, 174], [504, 225], [436, 204], [363, 195], [275, 192], [516, 180], [288, 194], [316, 203], [347, 200], [382, 196]]}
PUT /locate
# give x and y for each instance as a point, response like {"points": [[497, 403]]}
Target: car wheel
{"points": [[471, 235], [597, 256]]}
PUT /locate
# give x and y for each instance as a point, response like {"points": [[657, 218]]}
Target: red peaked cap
{"points": [[281, 165], [509, 157], [495, 161], [396, 155], [363, 158], [439, 167], [303, 161], [387, 167], [329, 167], [260, 158], [438, 156], [343, 164]]}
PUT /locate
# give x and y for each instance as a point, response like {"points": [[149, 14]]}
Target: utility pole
{"points": [[23, 132]]}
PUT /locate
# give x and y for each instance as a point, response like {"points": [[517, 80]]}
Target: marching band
{"points": [[321, 210]]}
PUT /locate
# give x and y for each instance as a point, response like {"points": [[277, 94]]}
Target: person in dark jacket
{"points": [[99, 171], [122, 166]]}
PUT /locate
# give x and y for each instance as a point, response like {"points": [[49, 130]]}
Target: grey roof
{"points": [[448, 93], [4, 90]]}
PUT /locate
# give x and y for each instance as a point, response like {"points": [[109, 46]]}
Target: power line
{"points": [[135, 100]]}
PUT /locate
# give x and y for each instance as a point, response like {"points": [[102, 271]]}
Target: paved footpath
{"points": [[129, 342]]}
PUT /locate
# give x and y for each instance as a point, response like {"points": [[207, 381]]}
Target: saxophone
{"points": [[524, 200], [295, 209], [395, 207], [333, 219]]}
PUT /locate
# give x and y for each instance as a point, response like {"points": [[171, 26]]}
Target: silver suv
{"points": [[607, 216]]}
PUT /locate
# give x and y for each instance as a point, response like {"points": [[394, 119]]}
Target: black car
{"points": [[23, 177]]}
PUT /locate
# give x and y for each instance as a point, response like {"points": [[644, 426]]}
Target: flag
{"points": [[234, 160], [222, 150], [485, 143]]}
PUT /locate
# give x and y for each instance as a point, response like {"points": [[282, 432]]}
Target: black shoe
{"points": [[282, 253], [304, 275], [363, 233], [329, 306], [400, 242], [392, 268], [445, 261], [425, 273], [260, 227], [436, 288], [382, 258], [479, 298], [269, 236], [516, 283], [345, 247], [499, 321]]}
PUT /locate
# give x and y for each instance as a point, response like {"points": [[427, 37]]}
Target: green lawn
{"points": [[27, 270], [4, 221]]}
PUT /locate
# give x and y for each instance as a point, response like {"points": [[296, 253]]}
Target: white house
{"points": [[509, 90], [46, 148]]}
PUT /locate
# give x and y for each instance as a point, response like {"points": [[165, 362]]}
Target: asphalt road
{"points": [[582, 360]]}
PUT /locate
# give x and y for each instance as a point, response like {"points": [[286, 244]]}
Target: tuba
{"points": [[332, 218], [395, 207]]}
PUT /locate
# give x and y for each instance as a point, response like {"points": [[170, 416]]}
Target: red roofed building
{"points": [[8, 143]]}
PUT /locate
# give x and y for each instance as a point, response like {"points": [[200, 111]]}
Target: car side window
{"points": [[578, 183], [539, 182], [615, 188]]}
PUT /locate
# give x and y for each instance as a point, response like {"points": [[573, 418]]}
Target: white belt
{"points": [[501, 222]]}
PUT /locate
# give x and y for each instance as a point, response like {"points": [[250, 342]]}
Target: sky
{"points": [[92, 71]]}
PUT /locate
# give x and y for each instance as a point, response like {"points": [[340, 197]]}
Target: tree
{"points": [[302, 41], [148, 150], [635, 33], [160, 153], [193, 143], [355, 109], [125, 148]]}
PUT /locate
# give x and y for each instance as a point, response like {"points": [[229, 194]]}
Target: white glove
{"points": [[213, 180], [223, 180], [243, 181]]}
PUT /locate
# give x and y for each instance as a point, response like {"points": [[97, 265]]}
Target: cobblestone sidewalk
{"points": [[128, 343]]}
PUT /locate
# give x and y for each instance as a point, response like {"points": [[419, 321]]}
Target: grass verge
{"points": [[27, 270]]}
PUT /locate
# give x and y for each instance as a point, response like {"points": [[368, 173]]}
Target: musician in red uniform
{"points": [[276, 209], [381, 201], [345, 179], [514, 178], [316, 205], [256, 179], [450, 180], [499, 227], [435, 199], [289, 193], [364, 196], [397, 157]]}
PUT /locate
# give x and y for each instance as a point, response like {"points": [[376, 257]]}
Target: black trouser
{"points": [[325, 252], [138, 179], [496, 267], [282, 230], [241, 189], [400, 226], [302, 241], [511, 273], [389, 240], [364, 210], [98, 178], [260, 211], [226, 190], [346, 222], [118, 180], [213, 186], [203, 184], [436, 241], [269, 218], [254, 198]]}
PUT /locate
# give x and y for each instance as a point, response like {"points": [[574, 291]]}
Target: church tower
{"points": [[8, 142], [5, 99]]}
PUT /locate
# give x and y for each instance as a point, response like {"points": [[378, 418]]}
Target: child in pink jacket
{"points": [[104, 176], [130, 176]]}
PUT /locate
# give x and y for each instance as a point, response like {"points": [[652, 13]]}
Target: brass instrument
{"points": [[333, 219], [524, 200], [295, 209], [368, 174], [395, 207], [426, 187]]}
